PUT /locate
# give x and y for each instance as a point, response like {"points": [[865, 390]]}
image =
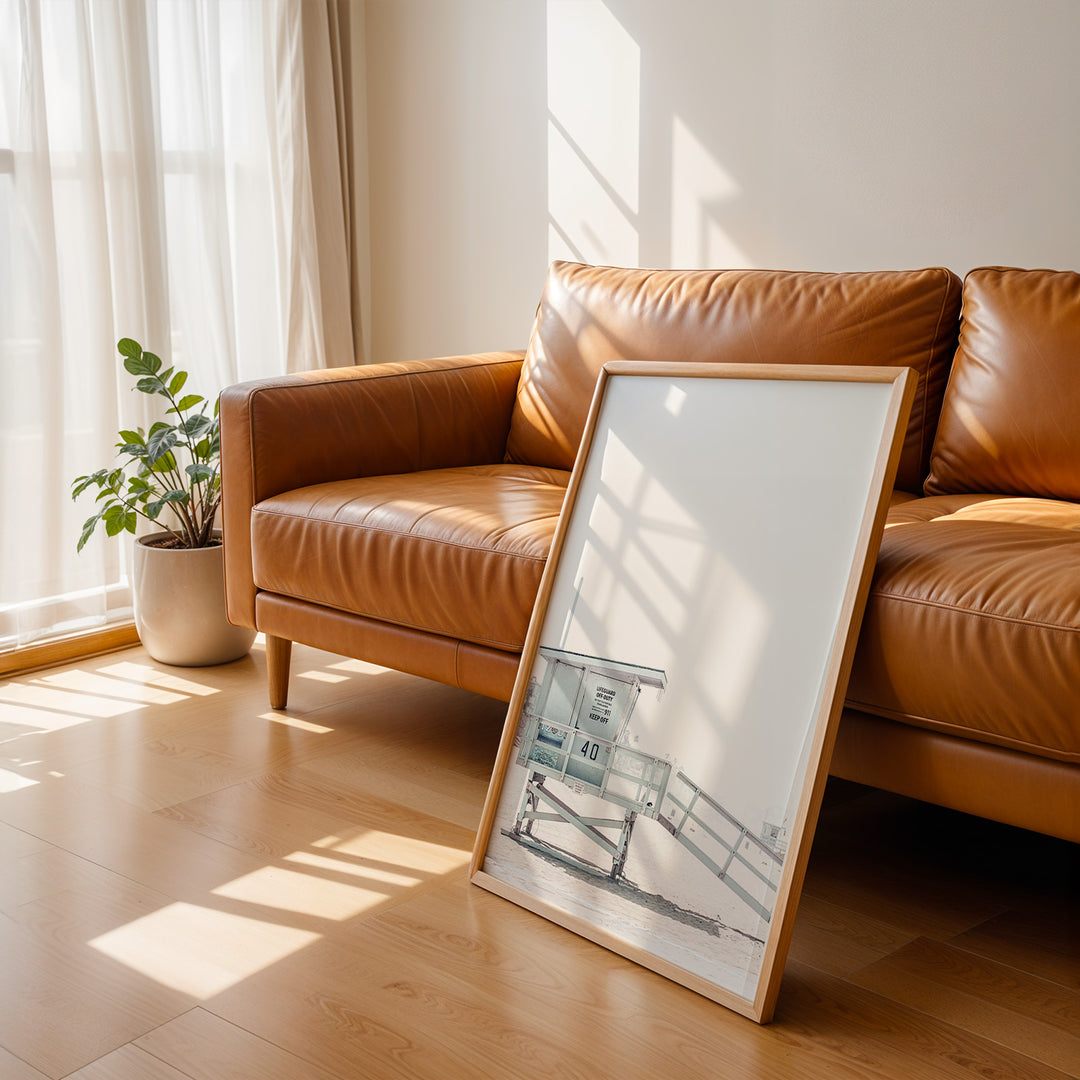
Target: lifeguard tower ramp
{"points": [[574, 728]]}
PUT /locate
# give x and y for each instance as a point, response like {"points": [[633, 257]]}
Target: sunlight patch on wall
{"points": [[594, 106], [701, 189], [199, 951]]}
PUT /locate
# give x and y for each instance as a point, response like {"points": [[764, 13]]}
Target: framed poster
{"points": [[668, 739]]}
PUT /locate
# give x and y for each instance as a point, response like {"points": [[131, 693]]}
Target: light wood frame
{"points": [[721, 517]]}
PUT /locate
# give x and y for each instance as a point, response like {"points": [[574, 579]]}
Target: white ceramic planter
{"points": [[180, 605]]}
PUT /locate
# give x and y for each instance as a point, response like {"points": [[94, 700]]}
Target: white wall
{"points": [[456, 107], [818, 134]]}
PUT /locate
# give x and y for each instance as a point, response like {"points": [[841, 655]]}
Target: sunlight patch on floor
{"points": [[76, 707], [18, 720], [306, 893], [143, 673], [11, 781], [322, 676], [397, 876], [397, 850], [295, 722], [199, 951], [85, 682]]}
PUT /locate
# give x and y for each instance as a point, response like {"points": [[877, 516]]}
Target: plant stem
{"points": [[133, 508]]}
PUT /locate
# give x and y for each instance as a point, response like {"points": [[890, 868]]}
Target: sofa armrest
{"points": [[318, 426]]}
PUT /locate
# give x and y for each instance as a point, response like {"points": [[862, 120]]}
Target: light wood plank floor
{"points": [[192, 886]]}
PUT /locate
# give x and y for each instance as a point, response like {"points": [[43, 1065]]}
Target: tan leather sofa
{"points": [[402, 513]]}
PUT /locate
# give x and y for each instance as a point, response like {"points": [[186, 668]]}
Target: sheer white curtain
{"points": [[170, 170]]}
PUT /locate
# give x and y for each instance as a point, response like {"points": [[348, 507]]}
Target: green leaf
{"points": [[160, 443], [89, 525], [130, 521], [137, 483], [177, 384], [154, 508], [136, 362], [153, 362], [132, 437], [195, 426], [83, 482], [189, 401], [150, 385], [115, 516], [198, 472], [164, 464]]}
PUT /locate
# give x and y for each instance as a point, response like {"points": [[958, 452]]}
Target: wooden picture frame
{"points": [[687, 660]]}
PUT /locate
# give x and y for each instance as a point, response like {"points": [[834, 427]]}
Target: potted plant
{"points": [[169, 476]]}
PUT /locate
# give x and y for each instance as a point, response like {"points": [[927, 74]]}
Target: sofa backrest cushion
{"points": [[589, 315], [1010, 422]]}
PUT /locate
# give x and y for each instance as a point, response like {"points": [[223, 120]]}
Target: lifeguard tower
{"points": [[575, 722]]}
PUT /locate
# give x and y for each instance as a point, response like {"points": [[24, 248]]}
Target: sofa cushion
{"points": [[1010, 421], [589, 315], [973, 622], [457, 552]]}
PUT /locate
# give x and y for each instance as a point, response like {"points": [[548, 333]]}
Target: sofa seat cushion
{"points": [[973, 622], [457, 552]]}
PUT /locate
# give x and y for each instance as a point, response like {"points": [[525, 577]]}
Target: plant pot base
{"points": [[180, 606]]}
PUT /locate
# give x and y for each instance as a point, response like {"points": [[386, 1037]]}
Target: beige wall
{"points": [[821, 134]]}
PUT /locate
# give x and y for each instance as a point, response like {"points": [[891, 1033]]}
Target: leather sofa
{"points": [[402, 513]]}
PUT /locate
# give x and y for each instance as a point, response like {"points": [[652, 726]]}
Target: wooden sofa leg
{"points": [[278, 653]]}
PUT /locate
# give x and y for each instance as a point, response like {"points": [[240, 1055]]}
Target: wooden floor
{"points": [[192, 886]]}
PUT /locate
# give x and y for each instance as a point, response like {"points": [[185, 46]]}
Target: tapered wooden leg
{"points": [[278, 653]]}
